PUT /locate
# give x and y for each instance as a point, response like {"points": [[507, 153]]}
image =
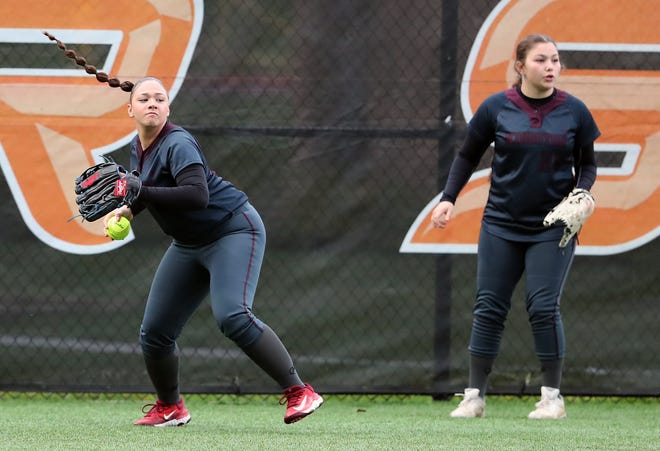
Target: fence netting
{"points": [[339, 120]]}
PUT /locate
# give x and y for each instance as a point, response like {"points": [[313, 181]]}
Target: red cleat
{"points": [[300, 402], [161, 414]]}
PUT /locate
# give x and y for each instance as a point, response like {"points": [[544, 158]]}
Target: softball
{"points": [[118, 230]]}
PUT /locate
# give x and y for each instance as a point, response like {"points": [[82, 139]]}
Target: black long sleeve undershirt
{"points": [[461, 169], [191, 191], [473, 148], [586, 168]]}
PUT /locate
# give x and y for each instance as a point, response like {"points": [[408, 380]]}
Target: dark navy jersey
{"points": [[534, 162], [174, 150]]}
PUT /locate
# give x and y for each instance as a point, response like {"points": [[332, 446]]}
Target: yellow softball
{"points": [[118, 230]]}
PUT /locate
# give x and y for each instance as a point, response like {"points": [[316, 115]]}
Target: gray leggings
{"points": [[500, 266], [227, 269]]}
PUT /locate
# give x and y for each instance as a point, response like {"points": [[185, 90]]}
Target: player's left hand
{"points": [[573, 211], [105, 187]]}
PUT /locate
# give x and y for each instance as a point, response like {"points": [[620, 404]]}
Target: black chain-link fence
{"points": [[339, 119]]}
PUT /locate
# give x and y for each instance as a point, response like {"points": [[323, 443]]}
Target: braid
{"points": [[81, 61]]}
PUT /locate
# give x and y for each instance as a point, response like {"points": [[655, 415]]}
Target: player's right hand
{"points": [[442, 214], [124, 211]]}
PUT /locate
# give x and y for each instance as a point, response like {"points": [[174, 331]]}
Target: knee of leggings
{"points": [[543, 316], [491, 319], [491, 309], [241, 329], [156, 344]]}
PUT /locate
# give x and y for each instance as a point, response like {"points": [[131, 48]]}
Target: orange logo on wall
{"points": [[54, 123], [624, 103]]}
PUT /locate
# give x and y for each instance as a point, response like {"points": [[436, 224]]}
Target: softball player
{"points": [[543, 148], [217, 249]]}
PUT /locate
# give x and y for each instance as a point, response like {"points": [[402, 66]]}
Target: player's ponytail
{"points": [[81, 61]]}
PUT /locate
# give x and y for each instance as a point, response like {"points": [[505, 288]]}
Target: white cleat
{"points": [[550, 407], [472, 405]]}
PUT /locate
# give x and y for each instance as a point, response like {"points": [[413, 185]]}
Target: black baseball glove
{"points": [[104, 187]]}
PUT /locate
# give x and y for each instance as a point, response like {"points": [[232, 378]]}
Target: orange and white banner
{"points": [[625, 102], [57, 122]]}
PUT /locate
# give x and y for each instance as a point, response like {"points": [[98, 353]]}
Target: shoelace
{"points": [[465, 400], [292, 398], [154, 409]]}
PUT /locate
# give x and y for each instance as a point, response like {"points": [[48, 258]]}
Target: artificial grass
{"points": [[71, 422]]}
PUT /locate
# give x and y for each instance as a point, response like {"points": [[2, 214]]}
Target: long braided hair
{"points": [[81, 61]]}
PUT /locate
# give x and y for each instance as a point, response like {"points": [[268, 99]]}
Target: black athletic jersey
{"points": [[538, 150], [173, 150]]}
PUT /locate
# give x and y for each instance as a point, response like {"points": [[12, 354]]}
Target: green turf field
{"points": [[88, 422]]}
